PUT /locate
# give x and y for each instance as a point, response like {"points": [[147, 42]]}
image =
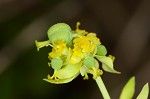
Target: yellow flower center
{"points": [[84, 45]]}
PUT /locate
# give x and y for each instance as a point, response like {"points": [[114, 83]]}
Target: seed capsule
{"points": [[60, 31], [89, 62], [101, 50], [56, 63]]}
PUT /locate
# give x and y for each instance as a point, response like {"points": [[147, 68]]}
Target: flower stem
{"points": [[102, 88]]}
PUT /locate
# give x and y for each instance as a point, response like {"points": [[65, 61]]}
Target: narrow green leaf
{"points": [[128, 90], [144, 92], [107, 64]]}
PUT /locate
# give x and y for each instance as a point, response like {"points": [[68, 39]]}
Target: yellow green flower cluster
{"points": [[75, 52]]}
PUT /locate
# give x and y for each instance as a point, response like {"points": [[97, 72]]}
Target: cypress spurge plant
{"points": [[76, 52]]}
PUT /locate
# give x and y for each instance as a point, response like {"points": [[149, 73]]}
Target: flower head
{"points": [[75, 52]]}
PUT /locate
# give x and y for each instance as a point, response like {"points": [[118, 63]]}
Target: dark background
{"points": [[123, 26]]}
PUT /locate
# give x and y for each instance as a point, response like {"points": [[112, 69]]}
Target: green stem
{"points": [[102, 88]]}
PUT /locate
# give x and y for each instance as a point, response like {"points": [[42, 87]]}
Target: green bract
{"points": [[65, 74], [60, 31], [107, 63]]}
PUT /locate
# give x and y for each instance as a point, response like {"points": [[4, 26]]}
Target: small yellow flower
{"points": [[77, 56], [84, 46], [87, 43], [59, 49]]}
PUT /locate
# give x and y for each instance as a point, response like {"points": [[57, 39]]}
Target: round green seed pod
{"points": [[56, 63], [89, 62], [101, 50], [60, 31]]}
